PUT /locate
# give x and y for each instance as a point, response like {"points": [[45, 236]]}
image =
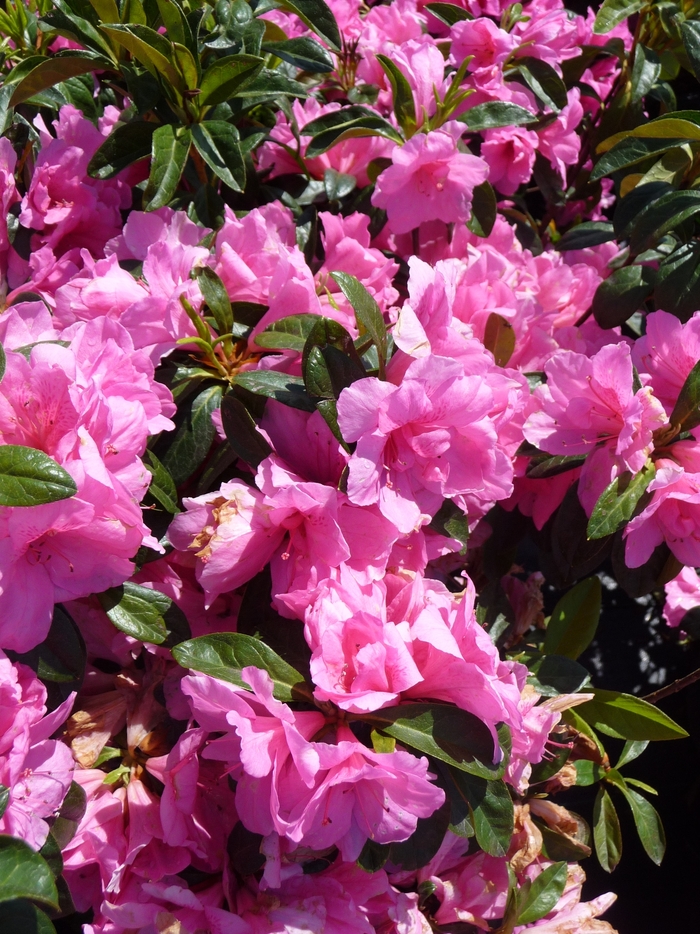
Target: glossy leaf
{"points": [[224, 655], [626, 717], [348, 123], [60, 658], [127, 143], [303, 52], [318, 16], [574, 620], [618, 501], [557, 674], [607, 835], [226, 76], [543, 894], [648, 824], [25, 874], [154, 51], [677, 288], [448, 13], [402, 95], [490, 806], [552, 466], [423, 844], [194, 436], [21, 917], [162, 486], [621, 294], [690, 33], [242, 432], [645, 71], [665, 214], [499, 338], [286, 389], [447, 733], [55, 69], [170, 147], [367, 312], [686, 411], [29, 477], [631, 750], [587, 234], [543, 81], [4, 799], [451, 521], [218, 144], [613, 12], [630, 151], [495, 114], [138, 611], [288, 333], [215, 295]]}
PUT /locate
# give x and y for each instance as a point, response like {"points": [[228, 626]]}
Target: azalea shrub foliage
{"points": [[335, 339]]}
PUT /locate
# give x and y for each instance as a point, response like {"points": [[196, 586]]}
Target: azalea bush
{"points": [[345, 350]]}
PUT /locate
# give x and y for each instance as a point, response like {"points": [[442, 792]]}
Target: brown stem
{"points": [[673, 688]]}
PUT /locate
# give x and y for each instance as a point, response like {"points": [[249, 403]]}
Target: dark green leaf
{"points": [[490, 806], [484, 210], [645, 71], [242, 433], [194, 436], [495, 114], [631, 750], [303, 52], [448, 13], [613, 12], [348, 123], [574, 555], [589, 233], [539, 469], [318, 16], [162, 486], [25, 874], [649, 826], [137, 611], [329, 361], [690, 33], [444, 732], [244, 852], [449, 520], [423, 843], [215, 295], [631, 150], [618, 501], [628, 208], [543, 81], [677, 288], [69, 24], [288, 333], [337, 184], [286, 389], [373, 855], [626, 717], [29, 477], [60, 658], [21, 917], [127, 143], [557, 674], [686, 411], [402, 95], [574, 620], [543, 894], [218, 144], [665, 214], [226, 76], [588, 773], [607, 835], [558, 846], [154, 51], [621, 294], [224, 655], [367, 312], [4, 799], [53, 70], [170, 147]]}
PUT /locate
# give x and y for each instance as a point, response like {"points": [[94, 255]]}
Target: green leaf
{"points": [[21, 917], [226, 76], [423, 844], [29, 477], [170, 147], [60, 658], [348, 123], [137, 611], [648, 823], [607, 835], [127, 143], [626, 717], [499, 338], [690, 33], [621, 294], [318, 16], [329, 361], [495, 114], [3, 362], [367, 312], [54, 70], [618, 501], [490, 806], [543, 894], [154, 51], [176, 26], [574, 620], [686, 411], [612, 12], [194, 435], [589, 233], [242, 432], [288, 333], [25, 874], [484, 210], [677, 288], [380, 743], [631, 750], [628, 208], [645, 71], [215, 295], [543, 81], [224, 655], [631, 150], [5, 798], [557, 674], [402, 95], [588, 773], [65, 824], [666, 213], [303, 52], [444, 732], [69, 24], [548, 466], [449, 520], [162, 486], [448, 13], [337, 184], [286, 389], [218, 144]]}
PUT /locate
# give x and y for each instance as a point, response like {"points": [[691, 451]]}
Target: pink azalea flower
{"points": [[682, 596], [510, 154], [482, 39], [668, 351], [429, 180]]}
